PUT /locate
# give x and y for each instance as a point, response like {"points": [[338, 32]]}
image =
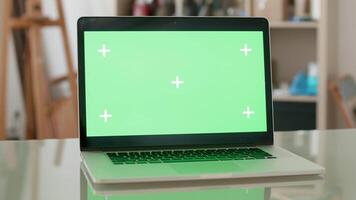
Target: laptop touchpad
{"points": [[205, 167]]}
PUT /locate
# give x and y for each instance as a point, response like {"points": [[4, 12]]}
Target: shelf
{"points": [[293, 25], [291, 98]]}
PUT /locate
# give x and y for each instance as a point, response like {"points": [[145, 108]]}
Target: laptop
{"points": [[178, 99]]}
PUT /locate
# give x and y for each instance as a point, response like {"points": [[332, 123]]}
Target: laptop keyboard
{"points": [[198, 155]]}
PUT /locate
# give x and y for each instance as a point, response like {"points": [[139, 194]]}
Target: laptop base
{"points": [[102, 170]]}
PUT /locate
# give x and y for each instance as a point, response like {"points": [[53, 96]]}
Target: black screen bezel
{"points": [[176, 140]]}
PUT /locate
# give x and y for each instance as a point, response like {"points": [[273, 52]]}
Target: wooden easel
{"points": [[344, 92], [46, 117]]}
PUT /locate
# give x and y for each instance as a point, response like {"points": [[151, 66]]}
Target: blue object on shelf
{"points": [[299, 84], [312, 85], [312, 81], [304, 84]]}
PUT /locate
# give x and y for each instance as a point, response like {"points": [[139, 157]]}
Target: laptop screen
{"points": [[174, 82]]}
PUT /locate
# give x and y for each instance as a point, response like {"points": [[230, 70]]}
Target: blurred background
{"points": [[313, 59]]}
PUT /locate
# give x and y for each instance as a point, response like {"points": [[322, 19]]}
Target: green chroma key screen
{"points": [[174, 82]]}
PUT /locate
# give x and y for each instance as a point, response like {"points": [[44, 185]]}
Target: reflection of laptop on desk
{"points": [[251, 188], [167, 98]]}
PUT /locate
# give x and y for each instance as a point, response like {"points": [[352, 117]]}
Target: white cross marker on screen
{"points": [[246, 50], [177, 82], [248, 112], [104, 50], [105, 116]]}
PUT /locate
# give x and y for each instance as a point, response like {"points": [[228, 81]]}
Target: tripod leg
{"points": [[3, 66], [28, 95], [39, 85], [69, 60]]}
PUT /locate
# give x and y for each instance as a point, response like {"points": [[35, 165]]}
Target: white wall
{"points": [[346, 26]]}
